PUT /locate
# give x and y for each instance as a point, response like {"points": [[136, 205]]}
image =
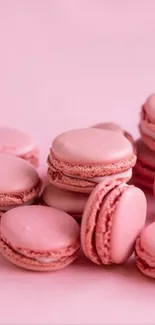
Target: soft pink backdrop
{"points": [[67, 64]]}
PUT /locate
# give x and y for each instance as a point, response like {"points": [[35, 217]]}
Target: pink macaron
{"points": [[117, 128], [147, 122], [20, 144], [39, 238], [113, 218], [80, 159], [145, 251], [19, 182], [71, 202], [144, 170]]}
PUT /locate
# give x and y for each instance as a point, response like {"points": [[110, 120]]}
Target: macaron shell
{"points": [[16, 175], [117, 128], [15, 142], [91, 146], [108, 126], [39, 229], [128, 221], [67, 201]]}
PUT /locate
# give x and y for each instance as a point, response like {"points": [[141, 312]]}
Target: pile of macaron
{"points": [[90, 202]]}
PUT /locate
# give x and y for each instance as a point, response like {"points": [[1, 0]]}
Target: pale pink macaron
{"points": [[113, 218], [145, 251], [39, 238], [80, 159], [144, 170], [20, 144], [117, 128], [19, 182], [71, 202], [147, 122]]}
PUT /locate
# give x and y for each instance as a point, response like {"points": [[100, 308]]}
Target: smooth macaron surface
{"points": [[109, 126], [70, 202], [19, 181], [117, 128], [39, 228], [128, 221], [16, 174], [111, 222], [15, 142], [39, 237], [91, 146]]}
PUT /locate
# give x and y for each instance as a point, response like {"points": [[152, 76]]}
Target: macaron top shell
{"points": [[38, 228], [147, 239], [130, 215], [108, 126], [64, 200], [91, 146], [15, 142], [145, 155], [16, 174]]}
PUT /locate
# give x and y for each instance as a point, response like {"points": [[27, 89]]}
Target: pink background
{"points": [[67, 64]]}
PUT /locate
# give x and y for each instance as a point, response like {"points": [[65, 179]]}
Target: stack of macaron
{"points": [[144, 170], [20, 182], [88, 172], [89, 168]]}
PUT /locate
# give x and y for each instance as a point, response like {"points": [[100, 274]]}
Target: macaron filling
{"points": [[89, 171], [126, 174]]}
